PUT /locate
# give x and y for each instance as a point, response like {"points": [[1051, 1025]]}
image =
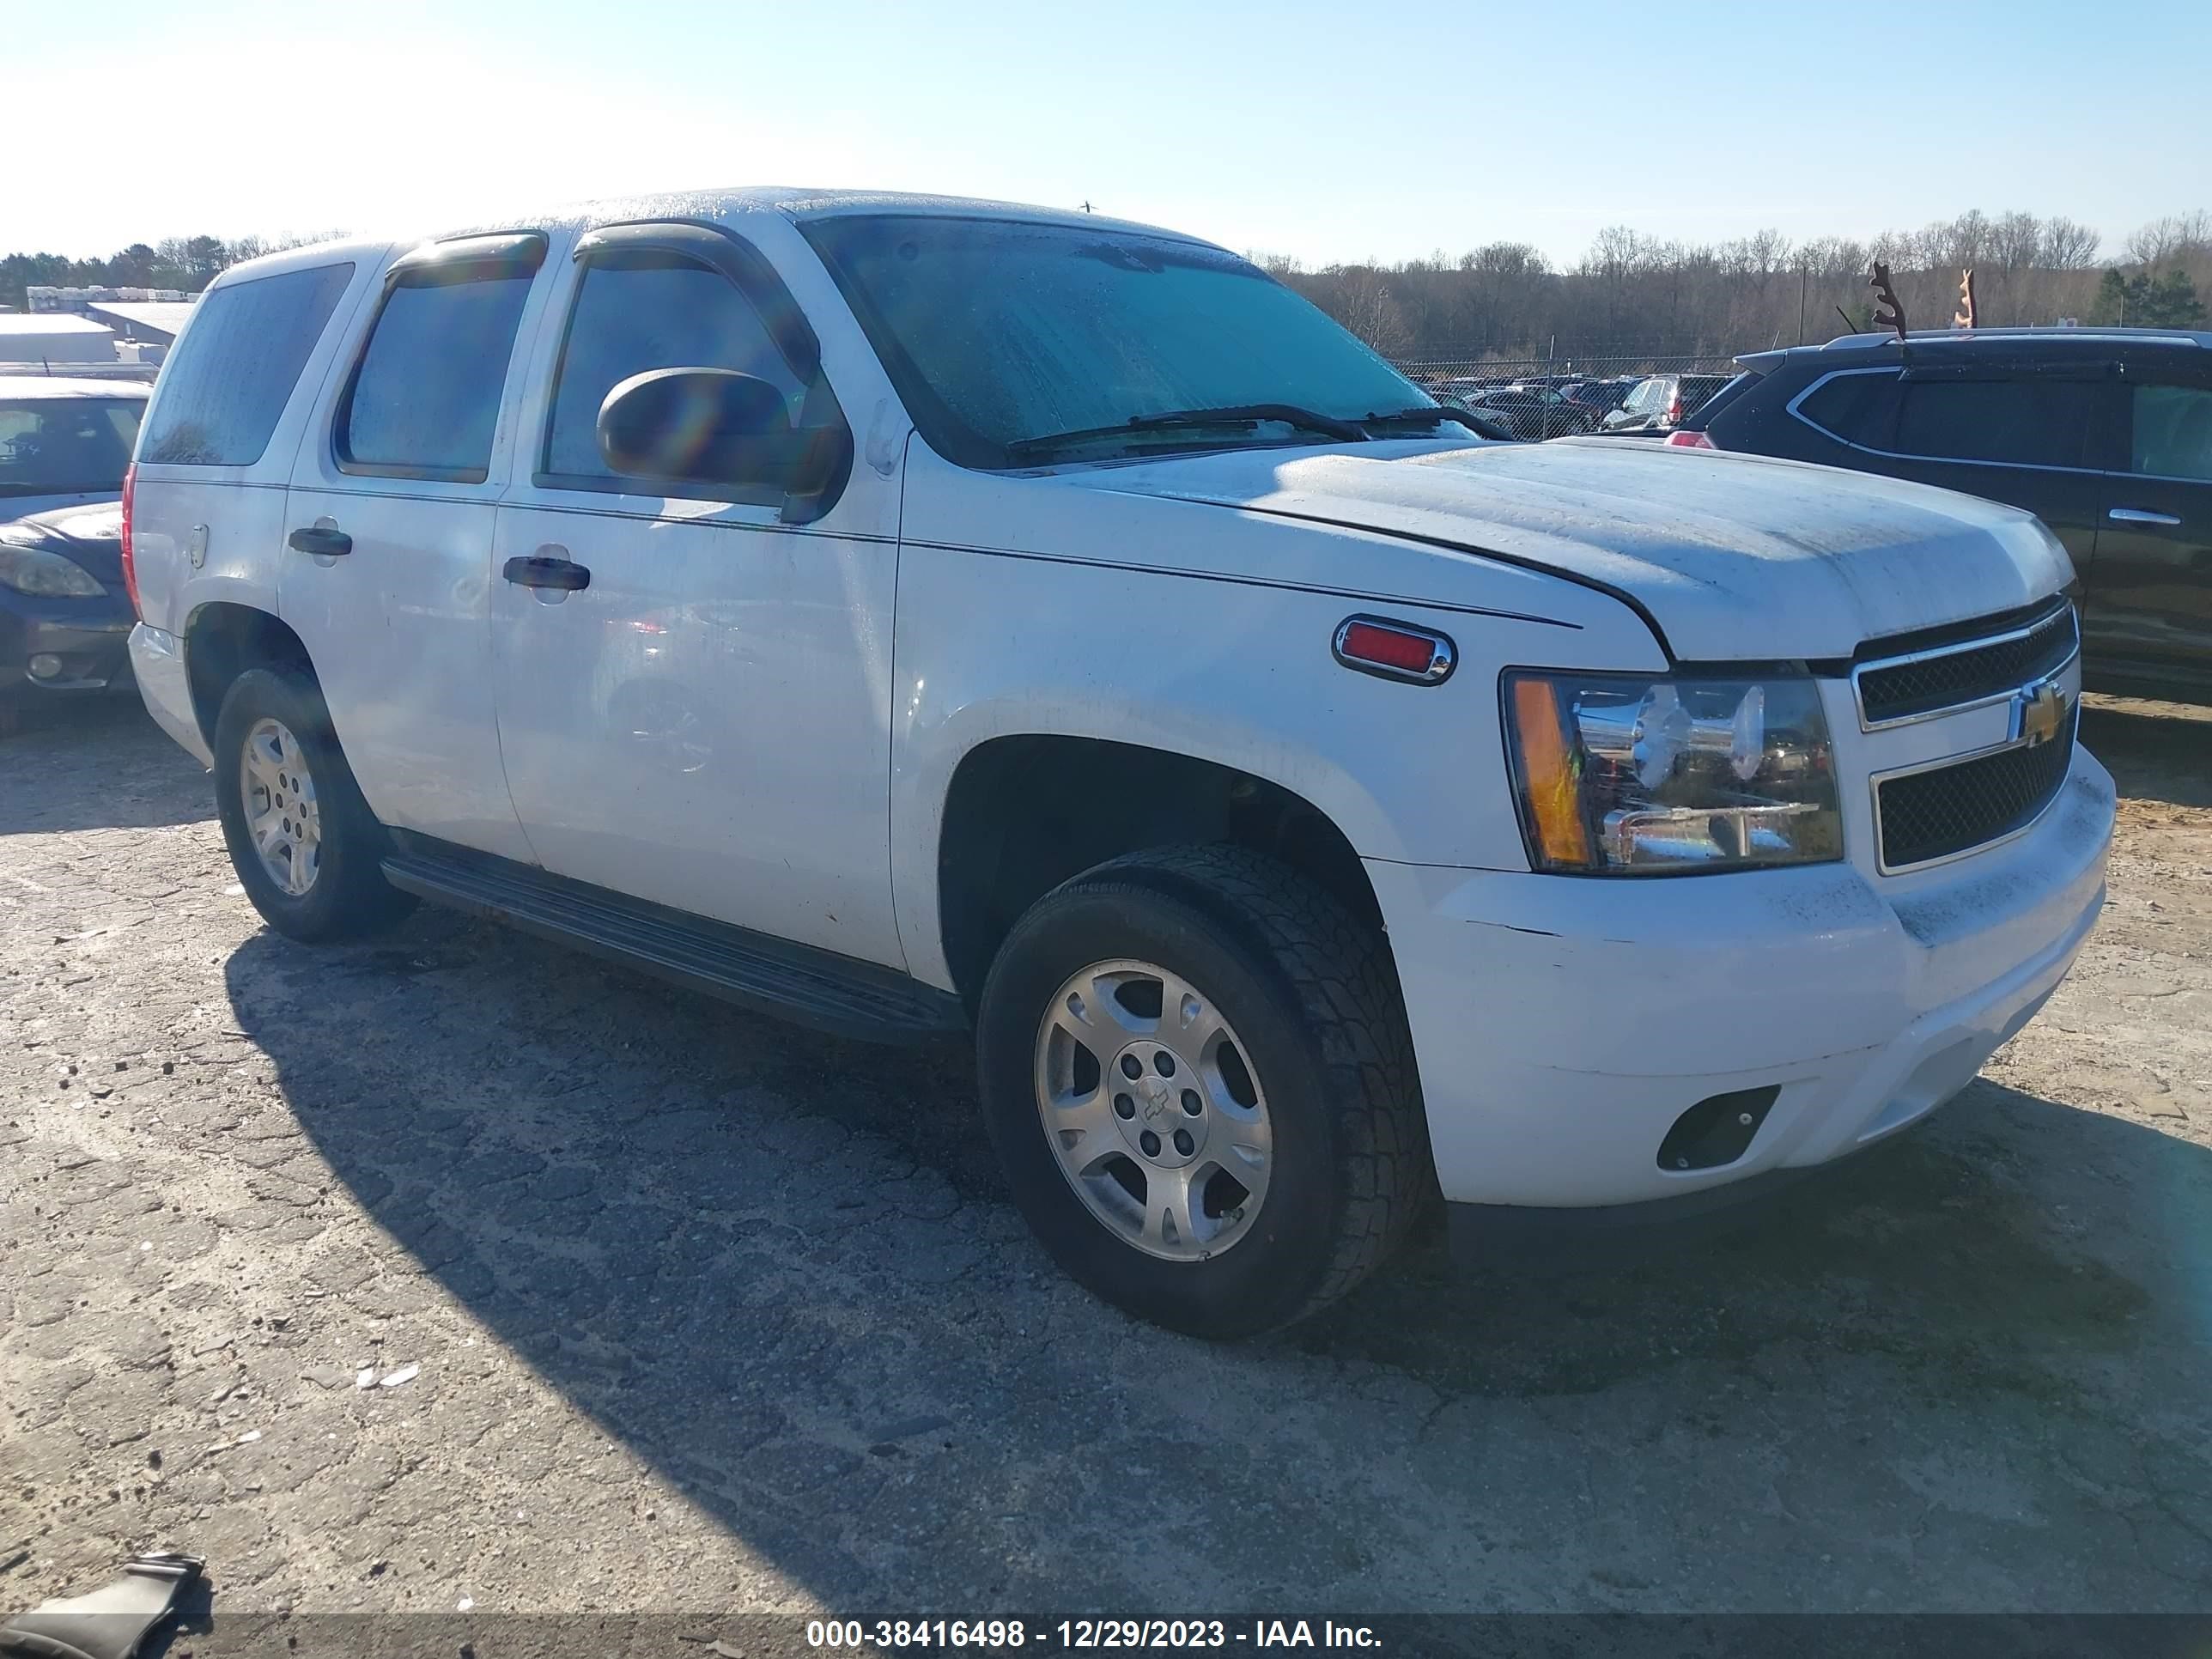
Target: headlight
{"points": [[44, 575], [1638, 774]]}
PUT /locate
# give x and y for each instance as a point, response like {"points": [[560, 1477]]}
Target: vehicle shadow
{"points": [[2154, 750], [102, 765], [778, 1266]]}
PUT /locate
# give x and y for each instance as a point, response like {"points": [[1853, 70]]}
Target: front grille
{"points": [[1931, 815], [1928, 682]]}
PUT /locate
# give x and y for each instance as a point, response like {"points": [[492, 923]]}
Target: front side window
{"points": [[225, 385], [1004, 337], [646, 310], [425, 396], [2172, 432], [65, 446]]}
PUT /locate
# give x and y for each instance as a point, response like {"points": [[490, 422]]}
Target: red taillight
{"points": [[1690, 441], [1397, 651], [1674, 412], [129, 564]]}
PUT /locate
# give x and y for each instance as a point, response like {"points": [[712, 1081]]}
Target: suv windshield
{"points": [[1015, 345], [66, 446]]}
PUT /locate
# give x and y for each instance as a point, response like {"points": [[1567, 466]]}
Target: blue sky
{"points": [[1329, 131]]}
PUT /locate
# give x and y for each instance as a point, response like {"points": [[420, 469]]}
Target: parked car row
{"points": [[1535, 407], [1662, 402]]}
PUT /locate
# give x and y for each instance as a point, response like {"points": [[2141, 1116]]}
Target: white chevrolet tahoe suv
{"points": [[908, 616]]}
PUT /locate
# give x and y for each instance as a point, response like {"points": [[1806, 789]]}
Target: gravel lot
{"points": [[694, 1311]]}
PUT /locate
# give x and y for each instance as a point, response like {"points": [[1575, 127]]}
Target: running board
{"points": [[830, 993]]}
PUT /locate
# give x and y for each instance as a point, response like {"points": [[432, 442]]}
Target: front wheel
{"points": [[1197, 1075]]}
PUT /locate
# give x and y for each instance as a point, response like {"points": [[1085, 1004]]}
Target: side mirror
{"points": [[715, 426]]}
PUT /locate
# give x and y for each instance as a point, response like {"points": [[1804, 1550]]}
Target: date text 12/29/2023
{"points": [[1081, 1634]]}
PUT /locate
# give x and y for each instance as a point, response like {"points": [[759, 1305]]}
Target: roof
{"points": [[62, 386], [796, 205], [50, 322], [709, 206], [158, 316]]}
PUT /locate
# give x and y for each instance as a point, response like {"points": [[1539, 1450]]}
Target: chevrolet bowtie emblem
{"points": [[2039, 710]]}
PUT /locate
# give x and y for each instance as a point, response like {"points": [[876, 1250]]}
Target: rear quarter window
{"points": [[225, 386], [1859, 409]]}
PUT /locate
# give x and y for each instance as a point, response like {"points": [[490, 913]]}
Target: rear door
{"points": [[386, 574], [2150, 601]]}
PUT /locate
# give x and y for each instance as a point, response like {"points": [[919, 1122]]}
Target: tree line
{"points": [[188, 264], [1635, 294], [1632, 295]]}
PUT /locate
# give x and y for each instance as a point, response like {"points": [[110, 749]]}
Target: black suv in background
{"points": [[2106, 434]]}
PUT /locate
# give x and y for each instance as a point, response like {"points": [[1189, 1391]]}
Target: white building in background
{"points": [[43, 299], [144, 330], [50, 338]]}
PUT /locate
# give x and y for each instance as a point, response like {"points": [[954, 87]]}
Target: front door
{"points": [[387, 571], [694, 692], [2150, 601]]}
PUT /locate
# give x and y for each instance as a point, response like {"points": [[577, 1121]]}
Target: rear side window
{"points": [[2172, 432], [640, 311], [2020, 422], [424, 399], [225, 386]]}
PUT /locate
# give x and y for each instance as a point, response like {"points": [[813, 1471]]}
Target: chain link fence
{"points": [[1562, 394]]}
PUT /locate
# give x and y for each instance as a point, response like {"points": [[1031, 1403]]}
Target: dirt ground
{"points": [[659, 1306]]}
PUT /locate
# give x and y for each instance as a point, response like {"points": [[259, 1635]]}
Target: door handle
{"points": [[324, 541], [547, 570], [2140, 515]]}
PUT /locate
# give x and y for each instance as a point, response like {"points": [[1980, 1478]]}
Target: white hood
{"points": [[1734, 556]]}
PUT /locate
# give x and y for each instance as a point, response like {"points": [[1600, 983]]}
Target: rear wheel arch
{"points": [[223, 639]]}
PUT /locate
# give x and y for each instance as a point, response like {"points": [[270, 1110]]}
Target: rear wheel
{"points": [[307, 848], [1196, 1072]]}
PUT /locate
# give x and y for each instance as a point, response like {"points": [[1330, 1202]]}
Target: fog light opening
{"points": [[45, 666], [1719, 1130]]}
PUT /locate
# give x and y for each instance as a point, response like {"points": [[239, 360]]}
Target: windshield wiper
{"points": [[1436, 414], [1176, 420]]}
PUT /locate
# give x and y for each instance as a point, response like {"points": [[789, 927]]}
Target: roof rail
{"points": [[2036, 331]]}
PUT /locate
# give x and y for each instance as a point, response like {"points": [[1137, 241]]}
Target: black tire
{"points": [[1312, 995], [349, 898]]}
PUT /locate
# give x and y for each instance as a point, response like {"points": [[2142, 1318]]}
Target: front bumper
{"points": [[1563, 1024], [158, 660], [63, 645]]}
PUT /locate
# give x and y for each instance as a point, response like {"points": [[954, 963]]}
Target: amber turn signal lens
{"points": [[1554, 803]]}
